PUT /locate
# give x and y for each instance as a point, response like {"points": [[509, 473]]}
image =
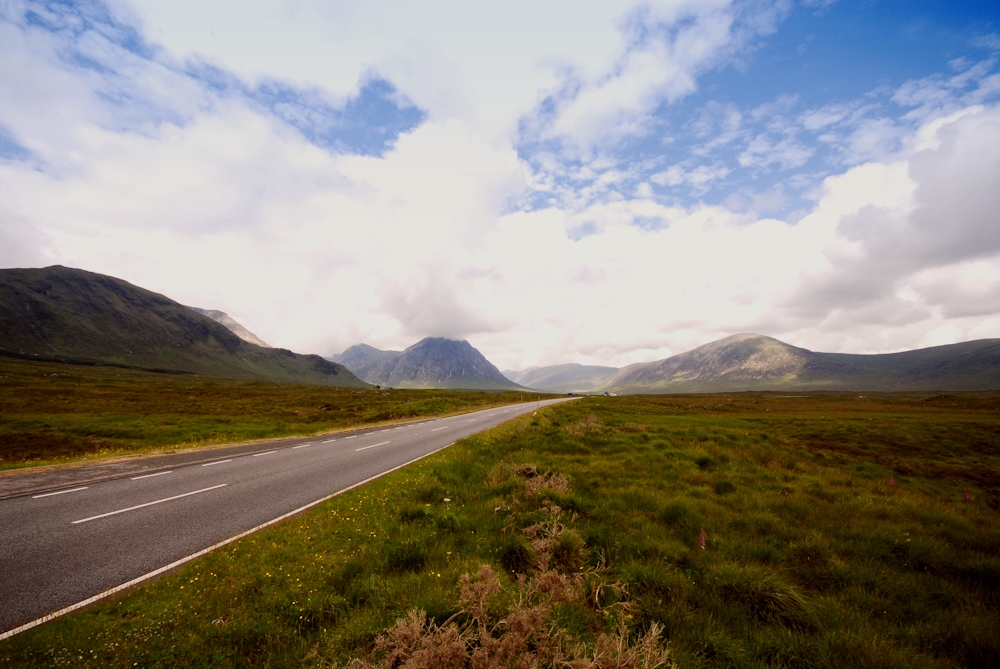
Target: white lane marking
{"points": [[255, 455], [139, 506], [351, 437], [438, 428], [60, 492], [385, 430], [398, 428], [473, 420], [328, 441], [146, 476], [304, 445], [194, 556], [217, 462], [365, 448]]}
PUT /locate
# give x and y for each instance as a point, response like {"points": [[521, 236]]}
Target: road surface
{"points": [[60, 547]]}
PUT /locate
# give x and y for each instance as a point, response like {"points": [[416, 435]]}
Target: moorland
{"points": [[727, 530], [56, 412]]}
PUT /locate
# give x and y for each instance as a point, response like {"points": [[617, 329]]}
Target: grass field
{"points": [[52, 412], [748, 530]]}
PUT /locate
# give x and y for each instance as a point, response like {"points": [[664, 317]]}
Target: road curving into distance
{"points": [[67, 547]]}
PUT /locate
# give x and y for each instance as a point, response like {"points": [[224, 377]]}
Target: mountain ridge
{"points": [[433, 362], [233, 326], [749, 361], [74, 315]]}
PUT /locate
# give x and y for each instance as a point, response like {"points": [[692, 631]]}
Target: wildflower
{"points": [[703, 538], [965, 495], [892, 481]]}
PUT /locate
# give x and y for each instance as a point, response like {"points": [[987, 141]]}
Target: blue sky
{"points": [[593, 182]]}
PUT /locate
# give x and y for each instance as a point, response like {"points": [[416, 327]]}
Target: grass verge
{"points": [[750, 530]]}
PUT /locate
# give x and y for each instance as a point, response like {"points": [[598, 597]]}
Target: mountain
{"points": [[58, 313], [234, 327], [562, 378], [361, 356], [755, 362], [437, 363]]}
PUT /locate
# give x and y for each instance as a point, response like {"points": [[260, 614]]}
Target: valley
{"points": [[752, 530]]}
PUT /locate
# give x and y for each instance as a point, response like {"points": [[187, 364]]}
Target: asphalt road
{"points": [[61, 547]]}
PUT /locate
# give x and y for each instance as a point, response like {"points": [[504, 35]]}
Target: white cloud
{"points": [[222, 205]]}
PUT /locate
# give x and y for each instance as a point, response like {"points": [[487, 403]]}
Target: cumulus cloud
{"points": [[665, 49], [458, 227]]}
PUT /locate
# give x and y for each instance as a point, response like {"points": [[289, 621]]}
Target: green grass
{"points": [[811, 558], [53, 412]]}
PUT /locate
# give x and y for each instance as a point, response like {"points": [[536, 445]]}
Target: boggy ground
{"points": [[52, 412], [748, 530]]}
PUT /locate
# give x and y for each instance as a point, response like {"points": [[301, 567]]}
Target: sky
{"points": [[602, 183]]}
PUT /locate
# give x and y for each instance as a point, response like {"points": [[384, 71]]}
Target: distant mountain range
{"points": [[754, 362], [563, 378], [360, 356], [58, 313], [433, 362], [234, 327]]}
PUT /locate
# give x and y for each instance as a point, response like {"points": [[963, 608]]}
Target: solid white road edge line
{"points": [[217, 462], [146, 476], [204, 551], [60, 492], [365, 448], [264, 453], [139, 506]]}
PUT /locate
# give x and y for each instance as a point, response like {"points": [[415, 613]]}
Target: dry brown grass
{"points": [[586, 425], [513, 628]]}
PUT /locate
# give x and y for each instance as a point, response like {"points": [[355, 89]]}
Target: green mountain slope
{"points": [[62, 313], [754, 362]]}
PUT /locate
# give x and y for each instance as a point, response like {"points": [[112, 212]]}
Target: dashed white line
{"points": [[60, 492], [264, 453], [217, 462], [184, 560], [351, 437], [139, 506], [385, 430], [304, 445], [146, 476], [329, 441], [439, 428], [473, 420], [365, 448]]}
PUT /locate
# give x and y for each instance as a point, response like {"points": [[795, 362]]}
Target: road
{"points": [[61, 547]]}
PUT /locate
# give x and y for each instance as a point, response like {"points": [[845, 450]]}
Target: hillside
{"points": [[361, 356], [233, 326], [754, 362], [58, 313], [437, 363], [563, 378]]}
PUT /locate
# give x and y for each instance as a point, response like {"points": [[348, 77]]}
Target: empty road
{"points": [[61, 547]]}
